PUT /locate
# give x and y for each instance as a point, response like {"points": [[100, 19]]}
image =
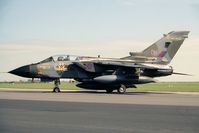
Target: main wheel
{"points": [[122, 89], [56, 90], [109, 90]]}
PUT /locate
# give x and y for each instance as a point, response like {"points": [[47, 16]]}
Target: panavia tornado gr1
{"points": [[109, 73]]}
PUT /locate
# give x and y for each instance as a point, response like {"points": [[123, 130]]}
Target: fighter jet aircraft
{"points": [[109, 73]]}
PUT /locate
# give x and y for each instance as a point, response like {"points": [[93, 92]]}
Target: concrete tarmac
{"points": [[98, 112], [149, 98]]}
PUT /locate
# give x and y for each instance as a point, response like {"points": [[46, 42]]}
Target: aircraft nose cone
{"points": [[23, 71]]}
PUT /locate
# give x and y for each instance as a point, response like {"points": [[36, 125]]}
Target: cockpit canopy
{"points": [[61, 58]]}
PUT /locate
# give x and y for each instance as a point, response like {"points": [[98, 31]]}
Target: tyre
{"points": [[109, 90], [122, 89], [56, 90]]}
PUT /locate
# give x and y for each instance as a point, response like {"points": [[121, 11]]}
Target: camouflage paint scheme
{"points": [[110, 73]]}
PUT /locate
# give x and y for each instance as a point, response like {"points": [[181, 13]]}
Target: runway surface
{"points": [[82, 111]]}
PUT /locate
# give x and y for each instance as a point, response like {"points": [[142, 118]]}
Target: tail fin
{"points": [[166, 48]]}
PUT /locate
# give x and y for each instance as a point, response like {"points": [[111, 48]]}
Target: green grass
{"points": [[169, 86]]}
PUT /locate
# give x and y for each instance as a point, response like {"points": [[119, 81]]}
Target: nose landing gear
{"points": [[56, 89]]}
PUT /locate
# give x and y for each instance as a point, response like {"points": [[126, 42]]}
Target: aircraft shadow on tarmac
{"points": [[88, 92], [113, 93]]}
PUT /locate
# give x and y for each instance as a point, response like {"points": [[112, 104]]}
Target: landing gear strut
{"points": [[56, 88]]}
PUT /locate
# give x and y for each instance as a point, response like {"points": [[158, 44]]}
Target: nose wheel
{"points": [[56, 89]]}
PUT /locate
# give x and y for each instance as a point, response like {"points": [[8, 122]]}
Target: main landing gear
{"points": [[56, 89], [122, 89], [109, 90]]}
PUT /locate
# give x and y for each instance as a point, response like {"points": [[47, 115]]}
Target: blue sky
{"points": [[89, 27], [93, 20]]}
